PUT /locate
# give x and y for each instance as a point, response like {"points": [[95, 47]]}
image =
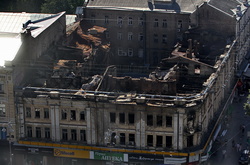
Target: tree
{"points": [[56, 6]]}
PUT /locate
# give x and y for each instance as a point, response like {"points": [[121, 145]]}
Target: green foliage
{"points": [[56, 6]]}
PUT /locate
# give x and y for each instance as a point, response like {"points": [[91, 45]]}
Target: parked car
{"points": [[244, 157]]}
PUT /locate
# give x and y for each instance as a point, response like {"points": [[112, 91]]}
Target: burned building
{"points": [[84, 110]]}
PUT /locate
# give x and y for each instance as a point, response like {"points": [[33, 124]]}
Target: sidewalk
{"points": [[231, 131]]}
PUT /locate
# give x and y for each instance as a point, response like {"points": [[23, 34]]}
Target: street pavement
{"points": [[233, 131]]}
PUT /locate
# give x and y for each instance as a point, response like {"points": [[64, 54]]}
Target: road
{"points": [[232, 127]]}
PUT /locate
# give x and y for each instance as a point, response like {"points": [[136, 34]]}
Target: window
{"points": [[122, 118], [164, 23], [92, 18], [2, 110], [47, 133], [29, 131], [164, 38], [168, 121], [130, 36], [37, 113], [82, 115], [3, 133], [197, 69], [140, 37], [112, 117], [150, 140], [179, 24], [107, 34], [64, 114], [120, 52], [156, 23], [119, 36], [72, 115], [130, 21], [106, 19], [119, 21], [122, 138], [130, 52], [64, 134], [38, 132], [159, 121], [155, 38], [46, 113], [113, 138], [73, 134], [140, 21], [83, 135], [131, 118], [1, 88], [150, 120], [140, 53], [158, 141], [169, 141], [131, 139]]}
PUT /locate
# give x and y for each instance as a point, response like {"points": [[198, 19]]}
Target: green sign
{"points": [[117, 157]]}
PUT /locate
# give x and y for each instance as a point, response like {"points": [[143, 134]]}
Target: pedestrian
{"points": [[224, 153], [237, 147], [233, 143], [240, 147]]}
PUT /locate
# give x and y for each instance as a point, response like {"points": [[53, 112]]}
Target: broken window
{"points": [[113, 138], [150, 140], [159, 141], [64, 114], [119, 21], [83, 135], [156, 23], [140, 21], [122, 138], [72, 115], [37, 113], [150, 120], [140, 37], [47, 133], [106, 21], [82, 115], [131, 139], [119, 36], [159, 121], [122, 118], [73, 134], [64, 134], [130, 52], [169, 141], [155, 38], [197, 69], [168, 121], [28, 112], [131, 118], [190, 141], [112, 117], [2, 110], [164, 23], [130, 36], [38, 132], [164, 38], [29, 131], [46, 113], [130, 21]]}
